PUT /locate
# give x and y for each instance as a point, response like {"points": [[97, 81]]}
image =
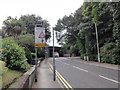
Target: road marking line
{"points": [[80, 69], [66, 63], [109, 79], [66, 84], [63, 80], [57, 79]]}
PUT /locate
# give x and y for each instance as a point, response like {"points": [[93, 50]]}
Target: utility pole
{"points": [[54, 75], [97, 42]]}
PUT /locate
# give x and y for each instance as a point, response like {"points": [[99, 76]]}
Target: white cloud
{"points": [[51, 10]]}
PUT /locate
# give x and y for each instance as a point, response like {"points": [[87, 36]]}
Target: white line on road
{"points": [[66, 63], [80, 69], [109, 79]]}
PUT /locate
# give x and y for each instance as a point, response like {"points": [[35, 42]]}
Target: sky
{"points": [[50, 10]]}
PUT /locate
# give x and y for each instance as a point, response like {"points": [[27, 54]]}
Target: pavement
{"points": [[45, 77], [76, 73], [106, 65]]}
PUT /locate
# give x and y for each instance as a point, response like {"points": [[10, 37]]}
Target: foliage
{"points": [[14, 27], [14, 55], [3, 67], [109, 54], [27, 41], [31, 20], [24, 24], [80, 30]]}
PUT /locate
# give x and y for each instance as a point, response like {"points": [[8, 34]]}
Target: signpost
{"points": [[39, 37], [39, 42]]}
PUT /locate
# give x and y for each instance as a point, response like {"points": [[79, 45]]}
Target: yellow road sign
{"points": [[39, 44]]}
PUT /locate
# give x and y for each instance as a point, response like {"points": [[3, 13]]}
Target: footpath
{"points": [[45, 77]]}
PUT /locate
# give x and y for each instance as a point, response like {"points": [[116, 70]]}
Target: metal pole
{"points": [[97, 43], [35, 64], [45, 55], [54, 75]]}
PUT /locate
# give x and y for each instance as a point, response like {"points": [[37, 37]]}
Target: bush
{"points": [[14, 55], [3, 69], [110, 54], [27, 41]]}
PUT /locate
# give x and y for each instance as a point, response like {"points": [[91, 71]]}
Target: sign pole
{"points": [[54, 75], [39, 42], [35, 64], [45, 55]]}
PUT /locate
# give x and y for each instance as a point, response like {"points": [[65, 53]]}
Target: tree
{"points": [[30, 22], [80, 30], [14, 27]]}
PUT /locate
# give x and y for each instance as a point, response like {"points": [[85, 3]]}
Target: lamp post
{"points": [[97, 42], [54, 74]]}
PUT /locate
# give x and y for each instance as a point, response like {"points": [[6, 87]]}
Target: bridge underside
{"points": [[56, 49]]}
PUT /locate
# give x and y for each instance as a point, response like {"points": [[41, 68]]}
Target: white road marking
{"points": [[66, 63], [109, 79], [80, 69], [64, 58]]}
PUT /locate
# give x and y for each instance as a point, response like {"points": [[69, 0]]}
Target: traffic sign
{"points": [[40, 37]]}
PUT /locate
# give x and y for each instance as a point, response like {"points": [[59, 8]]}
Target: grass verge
{"points": [[9, 77]]}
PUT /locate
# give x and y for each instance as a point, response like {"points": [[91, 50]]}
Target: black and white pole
{"points": [[54, 74]]}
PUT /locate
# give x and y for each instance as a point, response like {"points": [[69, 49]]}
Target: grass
{"points": [[9, 76]]}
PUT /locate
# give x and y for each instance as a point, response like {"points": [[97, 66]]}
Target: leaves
{"points": [[13, 55], [80, 30]]}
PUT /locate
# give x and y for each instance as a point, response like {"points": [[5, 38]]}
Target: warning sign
{"points": [[40, 37]]}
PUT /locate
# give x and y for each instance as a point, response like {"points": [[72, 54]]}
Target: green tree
{"points": [[14, 27], [30, 22], [79, 30]]}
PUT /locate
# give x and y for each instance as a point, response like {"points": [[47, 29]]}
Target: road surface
{"points": [[84, 75]]}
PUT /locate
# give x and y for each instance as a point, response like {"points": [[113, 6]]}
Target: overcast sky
{"points": [[51, 10]]}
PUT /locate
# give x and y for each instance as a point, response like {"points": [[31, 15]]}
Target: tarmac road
{"points": [[81, 74]]}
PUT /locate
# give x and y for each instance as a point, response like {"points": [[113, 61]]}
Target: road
{"points": [[84, 75]]}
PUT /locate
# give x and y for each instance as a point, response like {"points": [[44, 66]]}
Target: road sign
{"points": [[40, 37]]}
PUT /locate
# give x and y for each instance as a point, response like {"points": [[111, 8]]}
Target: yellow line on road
{"points": [[65, 83]]}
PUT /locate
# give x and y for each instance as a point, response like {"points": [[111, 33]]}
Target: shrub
{"points": [[27, 41], [3, 69], [110, 54], [14, 55]]}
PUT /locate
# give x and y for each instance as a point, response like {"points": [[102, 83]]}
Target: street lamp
{"points": [[54, 75], [97, 42]]}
